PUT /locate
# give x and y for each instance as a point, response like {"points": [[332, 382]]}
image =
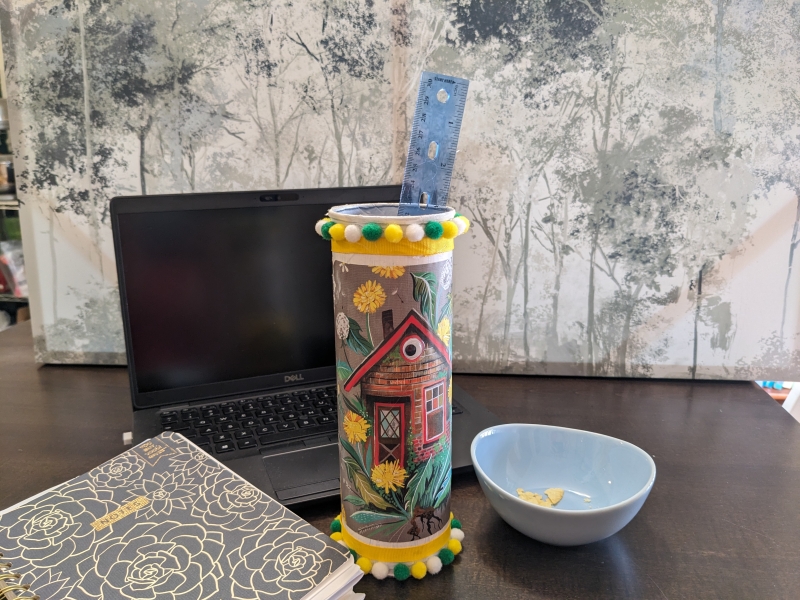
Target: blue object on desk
{"points": [[605, 480], [433, 142]]}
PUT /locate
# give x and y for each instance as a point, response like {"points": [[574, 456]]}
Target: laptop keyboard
{"points": [[250, 423]]}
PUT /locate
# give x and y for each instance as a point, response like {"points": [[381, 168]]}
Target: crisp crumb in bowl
{"points": [[587, 499], [553, 497], [554, 494]]}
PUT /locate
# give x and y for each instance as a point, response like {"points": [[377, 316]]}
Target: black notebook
{"points": [[163, 521]]}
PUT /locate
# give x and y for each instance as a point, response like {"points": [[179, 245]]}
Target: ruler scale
{"points": [[433, 143]]}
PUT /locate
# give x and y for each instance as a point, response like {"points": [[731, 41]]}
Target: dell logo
{"points": [[288, 378]]}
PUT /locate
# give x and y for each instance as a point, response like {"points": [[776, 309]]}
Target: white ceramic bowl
{"points": [[614, 476]]}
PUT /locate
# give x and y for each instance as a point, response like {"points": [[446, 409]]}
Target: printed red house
{"points": [[404, 385]]}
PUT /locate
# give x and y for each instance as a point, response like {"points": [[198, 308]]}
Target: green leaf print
{"points": [[363, 484], [343, 371], [425, 293], [357, 342], [355, 500], [366, 516], [447, 309]]}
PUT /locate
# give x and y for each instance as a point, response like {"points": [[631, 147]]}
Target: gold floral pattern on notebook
{"points": [[203, 533]]}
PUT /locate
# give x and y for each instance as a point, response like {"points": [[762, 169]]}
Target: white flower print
{"points": [[342, 326], [446, 277]]}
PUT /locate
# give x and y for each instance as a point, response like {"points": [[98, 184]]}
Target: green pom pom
{"points": [[372, 231], [446, 556], [434, 230], [354, 553], [458, 214], [455, 524], [402, 572], [325, 228], [336, 525]]}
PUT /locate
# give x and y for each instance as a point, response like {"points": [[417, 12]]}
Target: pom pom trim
{"points": [[418, 569], [373, 232]]}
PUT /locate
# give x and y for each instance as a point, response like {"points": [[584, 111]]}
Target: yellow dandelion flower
{"points": [[443, 331], [369, 297], [389, 476], [355, 427], [389, 272]]}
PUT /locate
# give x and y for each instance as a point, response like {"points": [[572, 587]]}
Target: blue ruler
{"points": [[433, 143]]}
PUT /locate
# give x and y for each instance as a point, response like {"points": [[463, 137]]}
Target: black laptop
{"points": [[229, 332]]}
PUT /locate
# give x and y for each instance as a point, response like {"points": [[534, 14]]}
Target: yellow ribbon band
{"points": [[396, 555], [425, 247]]}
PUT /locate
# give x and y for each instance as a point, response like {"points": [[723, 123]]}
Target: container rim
{"points": [[385, 213]]}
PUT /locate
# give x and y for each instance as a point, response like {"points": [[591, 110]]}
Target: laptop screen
{"points": [[226, 294]]}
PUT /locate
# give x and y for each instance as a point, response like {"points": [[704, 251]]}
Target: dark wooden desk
{"points": [[723, 520]]}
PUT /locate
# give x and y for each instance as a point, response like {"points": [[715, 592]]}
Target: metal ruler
{"points": [[433, 143]]}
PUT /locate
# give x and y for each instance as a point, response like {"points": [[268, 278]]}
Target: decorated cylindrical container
{"points": [[393, 309]]}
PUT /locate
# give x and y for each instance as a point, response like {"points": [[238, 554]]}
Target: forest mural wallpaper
{"points": [[631, 167]]}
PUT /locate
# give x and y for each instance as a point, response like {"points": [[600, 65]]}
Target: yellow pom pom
{"points": [[419, 570], [449, 229], [453, 545], [393, 233], [336, 536], [365, 564], [451, 516], [337, 232]]}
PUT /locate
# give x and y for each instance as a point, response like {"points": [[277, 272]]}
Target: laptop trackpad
{"points": [[304, 472]]}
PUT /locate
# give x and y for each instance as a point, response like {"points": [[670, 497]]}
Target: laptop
{"points": [[229, 332]]}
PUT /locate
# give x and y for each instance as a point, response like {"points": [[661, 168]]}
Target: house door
{"points": [[390, 433]]}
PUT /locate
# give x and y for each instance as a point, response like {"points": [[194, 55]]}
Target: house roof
{"points": [[412, 320]]}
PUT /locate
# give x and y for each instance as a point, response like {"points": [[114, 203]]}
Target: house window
{"points": [[389, 433], [390, 423], [434, 411]]}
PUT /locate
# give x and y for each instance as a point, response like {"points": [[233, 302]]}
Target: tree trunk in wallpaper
{"points": [[719, 37], [698, 294], [590, 326], [92, 200], [792, 247], [142, 168], [611, 151], [526, 347]]}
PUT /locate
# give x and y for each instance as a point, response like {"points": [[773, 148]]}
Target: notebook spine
{"points": [[10, 586]]}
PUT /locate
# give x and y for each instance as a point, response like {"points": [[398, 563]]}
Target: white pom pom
{"points": [[434, 564], [414, 233], [380, 570], [342, 543], [457, 534], [460, 225], [352, 233], [318, 226]]}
